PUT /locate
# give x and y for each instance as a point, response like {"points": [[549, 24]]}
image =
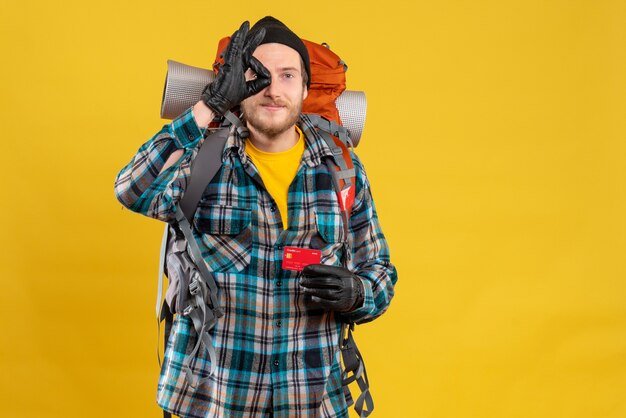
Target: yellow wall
{"points": [[495, 143]]}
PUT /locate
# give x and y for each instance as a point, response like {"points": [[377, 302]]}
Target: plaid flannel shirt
{"points": [[277, 355]]}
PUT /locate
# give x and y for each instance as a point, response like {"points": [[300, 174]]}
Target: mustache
{"points": [[273, 103]]}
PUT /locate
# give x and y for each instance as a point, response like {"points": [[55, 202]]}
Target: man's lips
{"points": [[272, 107]]}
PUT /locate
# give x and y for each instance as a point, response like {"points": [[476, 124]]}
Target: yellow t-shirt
{"points": [[277, 170]]}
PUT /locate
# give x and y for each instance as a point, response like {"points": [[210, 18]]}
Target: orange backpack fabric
{"points": [[328, 78]]}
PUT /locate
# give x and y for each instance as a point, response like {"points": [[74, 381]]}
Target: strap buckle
{"points": [[194, 286], [189, 309]]}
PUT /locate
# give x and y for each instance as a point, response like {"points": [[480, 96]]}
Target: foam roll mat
{"points": [[184, 85]]}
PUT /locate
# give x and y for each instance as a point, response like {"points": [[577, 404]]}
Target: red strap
{"points": [[345, 193]]}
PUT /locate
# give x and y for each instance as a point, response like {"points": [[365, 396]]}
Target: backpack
{"points": [[192, 290]]}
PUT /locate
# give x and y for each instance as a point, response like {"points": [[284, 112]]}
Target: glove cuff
{"points": [[210, 100], [360, 293]]}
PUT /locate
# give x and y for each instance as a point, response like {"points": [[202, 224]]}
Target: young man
{"points": [[277, 344]]}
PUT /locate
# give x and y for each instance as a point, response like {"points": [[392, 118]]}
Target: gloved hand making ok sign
{"points": [[230, 86], [332, 288]]}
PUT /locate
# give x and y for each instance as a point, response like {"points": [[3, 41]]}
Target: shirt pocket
{"points": [[226, 234], [330, 237]]}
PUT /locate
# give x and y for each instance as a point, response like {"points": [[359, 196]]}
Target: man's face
{"points": [[276, 109]]}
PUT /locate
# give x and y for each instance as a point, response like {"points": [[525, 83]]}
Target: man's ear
{"points": [[305, 93]]}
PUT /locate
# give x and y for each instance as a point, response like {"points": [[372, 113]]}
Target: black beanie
{"points": [[277, 32]]}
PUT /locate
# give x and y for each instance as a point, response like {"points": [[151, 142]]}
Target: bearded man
{"points": [[277, 343]]}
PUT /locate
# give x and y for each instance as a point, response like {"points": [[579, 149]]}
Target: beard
{"points": [[266, 123]]}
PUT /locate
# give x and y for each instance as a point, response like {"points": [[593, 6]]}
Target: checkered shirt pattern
{"points": [[277, 355]]}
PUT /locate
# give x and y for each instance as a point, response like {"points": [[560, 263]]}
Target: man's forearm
{"points": [[203, 115], [143, 185]]}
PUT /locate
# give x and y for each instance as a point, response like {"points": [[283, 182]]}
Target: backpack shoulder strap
{"points": [[340, 165], [204, 167], [342, 170]]}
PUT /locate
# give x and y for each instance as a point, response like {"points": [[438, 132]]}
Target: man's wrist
{"points": [[202, 114]]}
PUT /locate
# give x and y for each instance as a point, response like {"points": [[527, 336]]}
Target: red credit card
{"points": [[296, 259]]}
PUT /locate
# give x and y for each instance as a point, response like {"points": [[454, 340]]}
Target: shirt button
{"points": [[276, 363], [190, 136], [279, 324], [279, 283], [273, 208]]}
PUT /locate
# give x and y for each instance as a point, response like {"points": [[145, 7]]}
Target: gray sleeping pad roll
{"points": [[184, 85]]}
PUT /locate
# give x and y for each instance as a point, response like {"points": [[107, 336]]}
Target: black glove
{"points": [[230, 86], [332, 288]]}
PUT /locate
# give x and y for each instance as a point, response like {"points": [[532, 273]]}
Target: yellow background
{"points": [[495, 147]]}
